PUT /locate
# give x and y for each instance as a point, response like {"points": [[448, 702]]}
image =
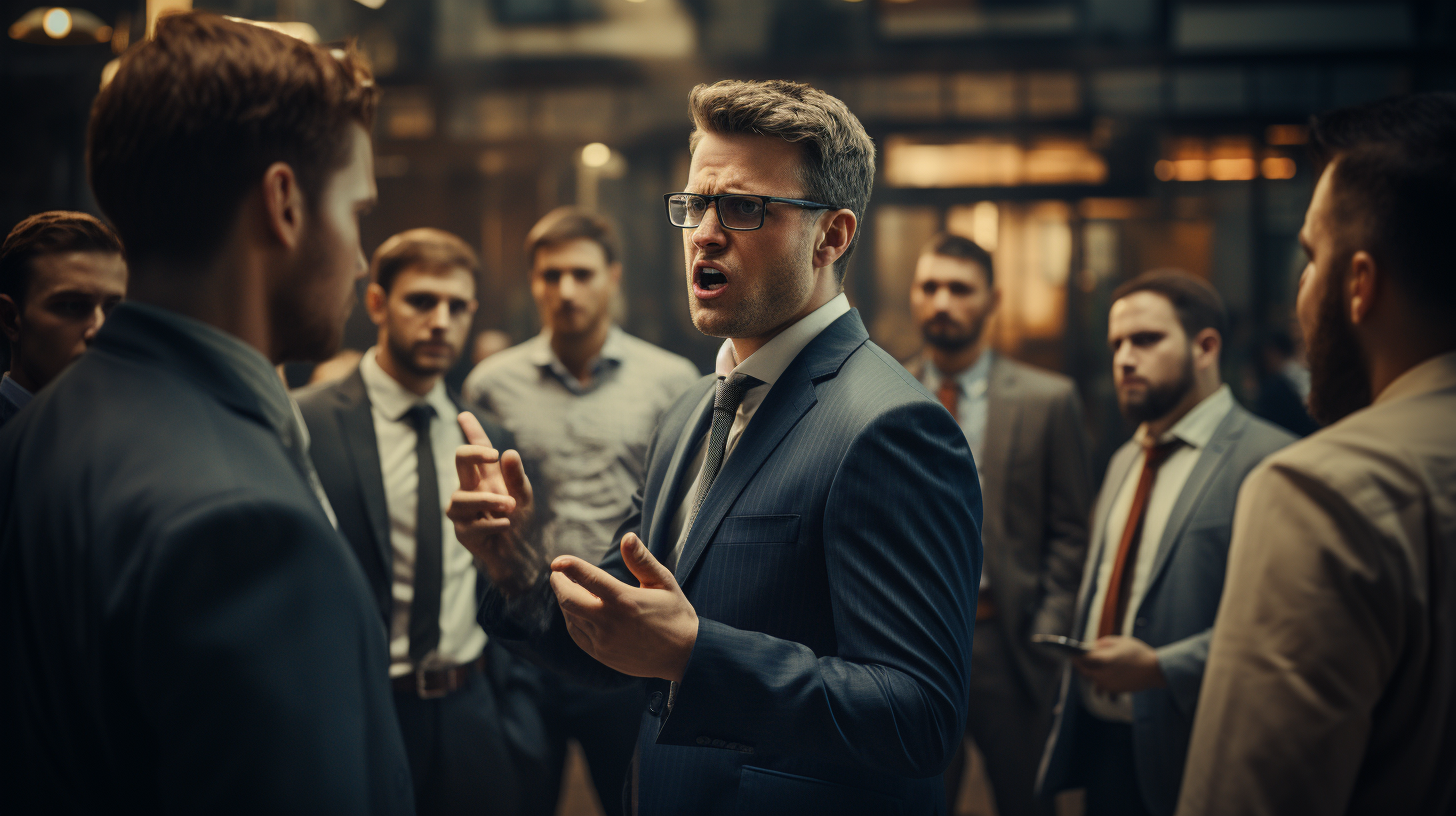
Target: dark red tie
{"points": [[949, 394], [1119, 584]]}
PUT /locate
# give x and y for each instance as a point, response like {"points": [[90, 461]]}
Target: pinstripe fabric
{"points": [[833, 565]]}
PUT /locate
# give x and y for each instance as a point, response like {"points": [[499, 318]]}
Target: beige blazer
{"points": [[1331, 679], [1036, 477]]}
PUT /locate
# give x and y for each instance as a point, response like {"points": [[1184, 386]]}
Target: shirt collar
{"points": [[542, 355], [1196, 428], [392, 399], [769, 362], [1435, 374], [972, 380], [250, 365], [14, 392]]}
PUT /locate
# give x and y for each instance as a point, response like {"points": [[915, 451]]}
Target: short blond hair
{"points": [[839, 157]]}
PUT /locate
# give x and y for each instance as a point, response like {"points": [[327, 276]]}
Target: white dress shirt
{"points": [[461, 638], [1195, 430], [766, 365]]}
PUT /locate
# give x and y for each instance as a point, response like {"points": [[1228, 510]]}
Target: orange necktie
{"points": [[949, 394], [1114, 608]]}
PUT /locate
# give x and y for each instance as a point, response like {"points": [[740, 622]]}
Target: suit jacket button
{"points": [[654, 703]]}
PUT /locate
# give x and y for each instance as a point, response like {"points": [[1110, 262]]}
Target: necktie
{"points": [[731, 391], [949, 394], [424, 621], [1119, 584]]}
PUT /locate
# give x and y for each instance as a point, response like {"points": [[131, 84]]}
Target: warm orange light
{"points": [[57, 23], [991, 163], [1278, 167], [1164, 170], [1190, 169], [1232, 169]]}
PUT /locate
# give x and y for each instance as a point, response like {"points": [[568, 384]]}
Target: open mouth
{"points": [[710, 279]]}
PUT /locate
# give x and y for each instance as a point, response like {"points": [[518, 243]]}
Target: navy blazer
{"points": [[834, 567], [1176, 613], [184, 631]]}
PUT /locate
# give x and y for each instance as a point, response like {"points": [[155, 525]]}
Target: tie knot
{"points": [[731, 390], [1158, 453], [419, 416]]}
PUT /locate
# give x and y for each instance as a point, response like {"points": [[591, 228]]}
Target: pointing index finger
{"points": [[474, 434]]}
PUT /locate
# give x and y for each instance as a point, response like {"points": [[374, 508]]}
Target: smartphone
{"points": [[1062, 645]]}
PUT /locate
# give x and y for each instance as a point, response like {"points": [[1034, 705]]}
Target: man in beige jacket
{"points": [[1331, 681]]}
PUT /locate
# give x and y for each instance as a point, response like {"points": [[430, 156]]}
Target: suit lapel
{"points": [[682, 454], [356, 421], [1117, 469], [788, 400], [1210, 462]]}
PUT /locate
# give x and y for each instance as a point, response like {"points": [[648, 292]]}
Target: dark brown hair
{"points": [[427, 249], [839, 157], [194, 117], [1196, 303], [565, 224], [1395, 189], [959, 246], [49, 233]]}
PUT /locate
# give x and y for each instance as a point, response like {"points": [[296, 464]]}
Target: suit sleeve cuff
{"points": [[1182, 664]]}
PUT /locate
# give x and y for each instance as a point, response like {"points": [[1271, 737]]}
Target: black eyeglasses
{"points": [[735, 211]]}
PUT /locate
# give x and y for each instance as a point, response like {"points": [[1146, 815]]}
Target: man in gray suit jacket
{"points": [[1025, 429], [1160, 536]]}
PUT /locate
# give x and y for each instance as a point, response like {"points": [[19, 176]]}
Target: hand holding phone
{"points": [[1062, 645]]}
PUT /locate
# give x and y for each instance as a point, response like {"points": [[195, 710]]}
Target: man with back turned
{"points": [[1331, 681], [185, 629], [797, 580]]}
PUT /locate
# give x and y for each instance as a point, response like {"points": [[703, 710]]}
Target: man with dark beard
{"points": [[1155, 567], [383, 438], [1025, 429], [1332, 673]]}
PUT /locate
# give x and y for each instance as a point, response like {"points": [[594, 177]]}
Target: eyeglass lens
{"points": [[734, 211]]}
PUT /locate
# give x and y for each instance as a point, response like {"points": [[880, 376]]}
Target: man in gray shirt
{"points": [[582, 399]]}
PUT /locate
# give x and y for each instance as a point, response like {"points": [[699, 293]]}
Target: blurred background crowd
{"points": [[1080, 141]]}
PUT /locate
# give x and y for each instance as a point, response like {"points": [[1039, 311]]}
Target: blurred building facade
{"points": [[1082, 141]]}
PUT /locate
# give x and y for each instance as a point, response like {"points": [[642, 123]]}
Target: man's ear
{"points": [[614, 271], [283, 205], [1362, 286], [995, 302], [1207, 344], [10, 320], [834, 236], [376, 302]]}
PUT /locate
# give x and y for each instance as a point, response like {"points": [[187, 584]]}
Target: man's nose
{"points": [[98, 317], [440, 316], [709, 232]]}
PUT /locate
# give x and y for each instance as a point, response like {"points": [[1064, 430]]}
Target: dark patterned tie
{"points": [[731, 391], [424, 621]]}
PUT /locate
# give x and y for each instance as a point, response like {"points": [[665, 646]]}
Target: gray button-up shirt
{"points": [[589, 442]]}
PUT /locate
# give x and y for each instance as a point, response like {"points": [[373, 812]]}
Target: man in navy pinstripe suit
{"points": [[798, 581]]}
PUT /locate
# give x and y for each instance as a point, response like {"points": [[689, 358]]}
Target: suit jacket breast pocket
{"points": [[738, 530]]}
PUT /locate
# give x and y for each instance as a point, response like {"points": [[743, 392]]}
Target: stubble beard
{"points": [[782, 291], [954, 341], [1160, 399], [1339, 373], [306, 325]]}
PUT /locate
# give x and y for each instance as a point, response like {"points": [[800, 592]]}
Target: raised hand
{"points": [[645, 631], [492, 510]]}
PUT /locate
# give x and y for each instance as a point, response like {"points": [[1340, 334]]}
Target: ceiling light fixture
{"points": [[56, 25]]}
